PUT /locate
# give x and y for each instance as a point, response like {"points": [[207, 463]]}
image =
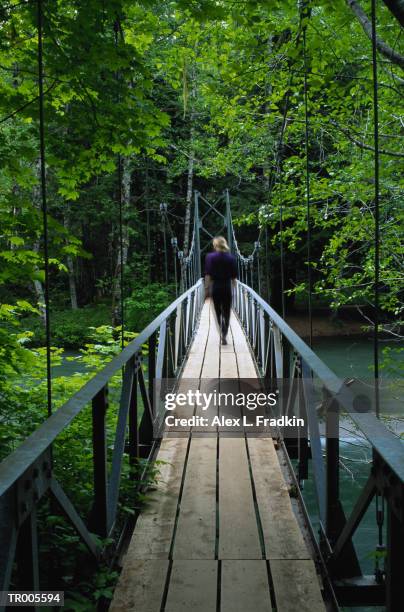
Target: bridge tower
{"points": [[211, 218]]}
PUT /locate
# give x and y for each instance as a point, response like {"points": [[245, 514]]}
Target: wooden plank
{"points": [[246, 367], [141, 586], [296, 585], [227, 408], [210, 367], [193, 366], [227, 348], [183, 411], [230, 337], [240, 344], [196, 529], [214, 332], [228, 365], [154, 528], [244, 586], [193, 587], [198, 346], [200, 338], [194, 363], [207, 386], [238, 531], [240, 341], [245, 363], [282, 536]]}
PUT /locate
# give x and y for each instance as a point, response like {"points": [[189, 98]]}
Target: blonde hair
{"points": [[220, 244]]}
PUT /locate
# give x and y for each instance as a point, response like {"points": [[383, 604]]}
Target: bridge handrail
{"points": [[15, 464], [272, 342], [384, 441]]}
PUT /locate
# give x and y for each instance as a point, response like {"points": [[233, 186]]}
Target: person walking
{"points": [[220, 277]]}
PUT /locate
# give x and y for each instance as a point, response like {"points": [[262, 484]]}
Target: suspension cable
{"points": [[149, 265], [271, 186], [174, 245], [163, 210], [306, 124], [376, 212], [267, 269], [121, 247], [119, 164], [279, 174], [44, 205]]}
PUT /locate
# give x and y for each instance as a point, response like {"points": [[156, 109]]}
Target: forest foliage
{"points": [[146, 101]]}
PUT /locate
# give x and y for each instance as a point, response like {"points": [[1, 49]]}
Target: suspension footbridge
{"points": [[221, 525], [226, 527]]}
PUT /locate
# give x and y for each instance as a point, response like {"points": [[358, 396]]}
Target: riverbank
{"points": [[326, 324]]}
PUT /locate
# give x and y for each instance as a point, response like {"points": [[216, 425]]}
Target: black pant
{"points": [[221, 295]]}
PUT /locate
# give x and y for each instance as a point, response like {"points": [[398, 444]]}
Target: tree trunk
{"points": [[382, 47], [70, 268], [38, 287], [39, 291], [122, 258], [396, 7]]}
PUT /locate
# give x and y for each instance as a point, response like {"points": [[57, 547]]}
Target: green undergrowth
{"points": [[65, 563]]}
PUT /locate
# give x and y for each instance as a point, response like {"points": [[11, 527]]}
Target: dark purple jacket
{"points": [[221, 266]]}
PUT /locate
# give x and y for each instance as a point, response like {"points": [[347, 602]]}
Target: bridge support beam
{"points": [[360, 591], [99, 514]]}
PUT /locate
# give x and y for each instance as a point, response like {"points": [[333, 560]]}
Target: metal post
{"points": [[332, 527], [302, 438], [99, 515], [133, 424], [27, 554], [152, 366]]}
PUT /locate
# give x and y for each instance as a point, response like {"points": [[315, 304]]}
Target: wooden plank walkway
{"points": [[219, 533]]}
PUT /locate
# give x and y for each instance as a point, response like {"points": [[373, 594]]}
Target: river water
{"points": [[349, 357]]}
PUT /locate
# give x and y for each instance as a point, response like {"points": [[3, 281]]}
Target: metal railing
{"points": [[281, 354], [27, 474]]}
